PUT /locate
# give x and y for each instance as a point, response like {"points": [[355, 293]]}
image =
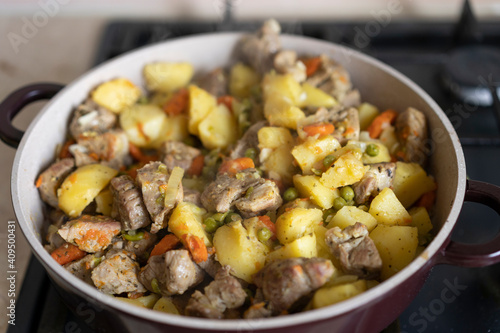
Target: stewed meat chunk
{"points": [[378, 177], [411, 129], [48, 182], [90, 118], [355, 249], [259, 199], [175, 153]]}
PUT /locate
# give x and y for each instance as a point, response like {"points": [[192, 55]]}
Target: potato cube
{"points": [[420, 219], [346, 170], [330, 295], [284, 87], [167, 76], [297, 222], [241, 80], [175, 128], [349, 215], [367, 112], [116, 95], [311, 187], [322, 249], [165, 304], [143, 302], [200, 104], [312, 96], [387, 209], [104, 202], [81, 187], [240, 250], [396, 245], [279, 164], [274, 137], [313, 151], [187, 219], [303, 247], [143, 124], [219, 128], [279, 112], [410, 182]]}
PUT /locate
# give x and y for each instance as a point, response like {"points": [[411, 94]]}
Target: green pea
{"points": [[317, 172], [328, 161], [338, 203], [143, 100], [264, 234], [251, 153], [155, 286], [327, 213], [347, 193], [133, 237], [219, 217], [350, 203], [210, 224], [372, 150], [290, 194], [231, 217]]}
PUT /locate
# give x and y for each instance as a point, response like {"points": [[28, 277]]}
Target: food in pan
{"points": [[257, 190]]}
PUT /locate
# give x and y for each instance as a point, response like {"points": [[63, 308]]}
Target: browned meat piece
{"points": [[220, 195], [355, 249], [257, 310], [284, 282], [411, 129], [224, 292], [90, 233], [285, 62], [378, 177], [261, 198], [174, 272], [111, 148], [211, 266], [82, 268], [332, 78], [215, 82], [128, 206], [81, 157], [248, 140], [153, 179], [50, 179], [117, 274], [140, 248], [258, 50], [90, 118], [176, 153], [347, 126], [352, 99], [192, 196]]}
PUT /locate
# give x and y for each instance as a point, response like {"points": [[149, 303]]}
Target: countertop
{"points": [[60, 51]]}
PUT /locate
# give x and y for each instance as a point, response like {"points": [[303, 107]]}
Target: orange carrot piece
{"points": [[67, 253], [234, 166], [196, 247], [321, 129], [178, 103], [196, 166], [167, 243], [39, 181], [266, 220], [312, 65], [138, 155], [380, 122], [427, 200], [227, 100], [65, 153]]}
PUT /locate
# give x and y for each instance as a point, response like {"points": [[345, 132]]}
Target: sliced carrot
{"points": [[232, 167], [178, 103], [348, 131], [196, 166], [167, 243], [67, 253], [139, 156], [266, 220], [427, 200], [227, 100], [39, 181], [196, 247], [321, 129], [65, 153], [380, 122], [312, 65]]}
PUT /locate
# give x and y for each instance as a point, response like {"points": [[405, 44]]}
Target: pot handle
{"points": [[475, 255], [15, 102]]}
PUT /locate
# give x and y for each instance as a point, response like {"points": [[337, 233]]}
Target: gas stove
{"points": [[456, 64]]}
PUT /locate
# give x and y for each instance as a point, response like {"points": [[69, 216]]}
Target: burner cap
{"points": [[469, 71]]}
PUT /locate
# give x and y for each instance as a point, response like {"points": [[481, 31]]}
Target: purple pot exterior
{"points": [[371, 311]]}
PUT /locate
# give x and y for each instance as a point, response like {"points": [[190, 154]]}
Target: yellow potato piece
{"points": [[330, 295], [187, 218], [165, 304], [303, 247], [420, 219], [297, 222], [274, 137], [311, 187], [219, 128], [349, 215], [143, 124], [410, 182], [387, 209], [143, 302], [81, 187], [201, 103], [167, 76], [116, 95], [313, 151], [346, 170], [241, 80], [315, 97]]}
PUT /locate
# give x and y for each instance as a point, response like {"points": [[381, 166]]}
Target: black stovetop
{"points": [[418, 50]]}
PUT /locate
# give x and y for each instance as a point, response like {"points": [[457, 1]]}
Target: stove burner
{"points": [[472, 72]]}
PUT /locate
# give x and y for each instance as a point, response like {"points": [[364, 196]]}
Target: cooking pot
{"points": [[379, 84]]}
